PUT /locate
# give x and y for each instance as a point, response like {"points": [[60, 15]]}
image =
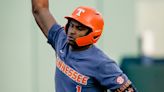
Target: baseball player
{"points": [[80, 65]]}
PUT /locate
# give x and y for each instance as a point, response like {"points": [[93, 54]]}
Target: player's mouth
{"points": [[70, 38]]}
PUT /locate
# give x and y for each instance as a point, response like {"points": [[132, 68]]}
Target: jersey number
{"points": [[78, 88]]}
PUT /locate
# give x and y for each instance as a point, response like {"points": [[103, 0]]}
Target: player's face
{"points": [[76, 30]]}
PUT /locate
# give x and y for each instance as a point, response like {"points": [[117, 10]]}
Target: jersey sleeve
{"points": [[112, 77], [56, 36]]}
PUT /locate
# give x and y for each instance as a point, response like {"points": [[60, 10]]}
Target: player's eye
{"points": [[80, 28], [77, 26], [70, 24]]}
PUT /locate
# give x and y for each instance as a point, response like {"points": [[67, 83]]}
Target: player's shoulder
{"points": [[56, 36], [56, 27], [101, 56]]}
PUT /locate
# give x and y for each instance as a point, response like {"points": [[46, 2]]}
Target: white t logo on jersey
{"points": [[80, 11]]}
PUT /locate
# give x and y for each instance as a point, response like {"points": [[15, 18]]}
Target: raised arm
{"points": [[42, 15]]}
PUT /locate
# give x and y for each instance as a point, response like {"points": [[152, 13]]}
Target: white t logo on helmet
{"points": [[80, 11]]}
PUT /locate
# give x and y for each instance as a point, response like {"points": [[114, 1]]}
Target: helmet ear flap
{"points": [[97, 34]]}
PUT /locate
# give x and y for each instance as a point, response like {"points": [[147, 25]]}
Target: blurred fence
{"points": [[146, 73]]}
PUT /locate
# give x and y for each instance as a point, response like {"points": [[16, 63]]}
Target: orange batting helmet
{"points": [[90, 18]]}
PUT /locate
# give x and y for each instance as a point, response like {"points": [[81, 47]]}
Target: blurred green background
{"points": [[27, 62]]}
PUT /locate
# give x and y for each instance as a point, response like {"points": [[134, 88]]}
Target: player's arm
{"points": [[42, 15]]}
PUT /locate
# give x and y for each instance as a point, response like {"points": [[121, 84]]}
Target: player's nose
{"points": [[73, 30]]}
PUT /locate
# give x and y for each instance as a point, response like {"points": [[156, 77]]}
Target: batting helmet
{"points": [[90, 18]]}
